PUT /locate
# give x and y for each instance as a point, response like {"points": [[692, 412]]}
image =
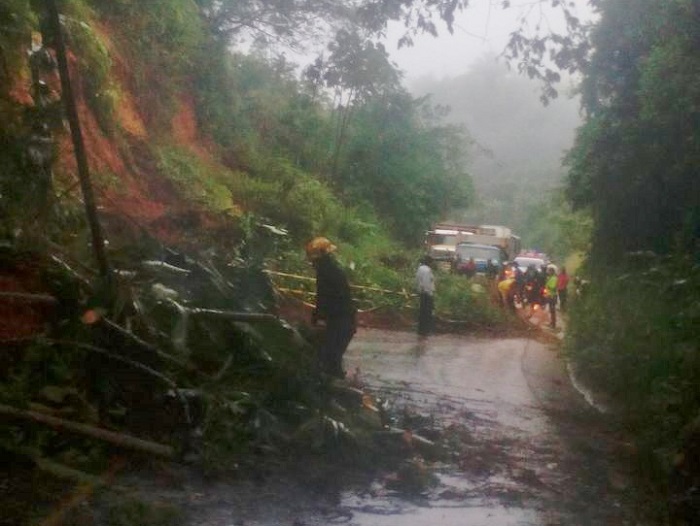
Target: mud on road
{"points": [[521, 447]]}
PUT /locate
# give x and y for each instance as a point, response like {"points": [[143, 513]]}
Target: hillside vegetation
{"points": [[179, 128], [210, 167], [634, 170]]}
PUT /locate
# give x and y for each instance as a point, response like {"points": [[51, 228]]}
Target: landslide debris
{"points": [[176, 357]]}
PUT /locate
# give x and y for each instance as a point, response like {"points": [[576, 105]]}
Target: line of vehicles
{"points": [[467, 249]]}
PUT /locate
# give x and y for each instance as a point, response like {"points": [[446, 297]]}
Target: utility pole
{"points": [[78, 144]]}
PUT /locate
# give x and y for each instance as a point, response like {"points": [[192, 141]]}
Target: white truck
{"points": [[441, 241]]}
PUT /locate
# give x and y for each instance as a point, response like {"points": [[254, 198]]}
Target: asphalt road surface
{"points": [[523, 446], [527, 448]]}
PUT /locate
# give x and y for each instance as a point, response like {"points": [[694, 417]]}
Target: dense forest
{"points": [[634, 169], [201, 138], [292, 150]]}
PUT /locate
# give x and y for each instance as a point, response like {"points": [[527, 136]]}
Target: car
{"points": [[481, 255], [523, 262]]}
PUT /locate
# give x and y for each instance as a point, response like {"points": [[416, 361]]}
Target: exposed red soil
{"points": [[20, 317], [185, 131], [127, 114], [131, 190], [20, 92]]}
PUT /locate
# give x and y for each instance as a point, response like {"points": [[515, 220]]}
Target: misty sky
{"points": [[482, 29]]}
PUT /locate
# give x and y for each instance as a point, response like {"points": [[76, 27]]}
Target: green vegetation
{"points": [[634, 332], [557, 229], [404, 164], [460, 299], [199, 181], [635, 160], [93, 60], [17, 19], [641, 347]]}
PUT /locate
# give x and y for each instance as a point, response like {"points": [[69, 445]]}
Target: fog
{"points": [[516, 143], [482, 29]]}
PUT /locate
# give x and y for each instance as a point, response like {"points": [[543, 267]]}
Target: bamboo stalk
{"points": [[286, 275], [235, 316], [147, 346]]}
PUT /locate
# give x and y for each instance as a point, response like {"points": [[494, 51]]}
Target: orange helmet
{"points": [[319, 246]]}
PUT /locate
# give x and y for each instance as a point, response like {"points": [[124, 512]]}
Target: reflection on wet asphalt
{"points": [[490, 399], [518, 446], [485, 374]]}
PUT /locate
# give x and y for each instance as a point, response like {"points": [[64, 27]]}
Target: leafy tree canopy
{"points": [[407, 165], [537, 50], [636, 160]]}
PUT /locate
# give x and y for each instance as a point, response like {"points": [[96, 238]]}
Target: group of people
{"points": [[534, 287], [336, 308]]}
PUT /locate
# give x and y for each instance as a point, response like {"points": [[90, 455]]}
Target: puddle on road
{"points": [[455, 502], [372, 515]]}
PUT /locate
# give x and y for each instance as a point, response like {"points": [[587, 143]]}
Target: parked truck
{"points": [[442, 241]]}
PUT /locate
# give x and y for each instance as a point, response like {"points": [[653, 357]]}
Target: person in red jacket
{"points": [[562, 284]]}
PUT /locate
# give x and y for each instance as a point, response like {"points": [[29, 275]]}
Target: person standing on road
{"points": [[334, 305], [425, 282], [551, 293], [507, 292], [519, 277], [491, 270], [470, 268], [562, 284]]}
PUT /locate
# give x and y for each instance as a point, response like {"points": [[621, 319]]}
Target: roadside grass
{"points": [[469, 300], [634, 335]]}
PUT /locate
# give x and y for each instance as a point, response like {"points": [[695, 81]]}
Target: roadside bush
{"points": [[289, 197], [459, 298], [381, 263], [634, 336]]}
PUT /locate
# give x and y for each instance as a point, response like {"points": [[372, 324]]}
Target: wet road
{"points": [[528, 450], [524, 446]]}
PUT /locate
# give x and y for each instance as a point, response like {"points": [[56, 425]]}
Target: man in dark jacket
{"points": [[334, 305]]}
